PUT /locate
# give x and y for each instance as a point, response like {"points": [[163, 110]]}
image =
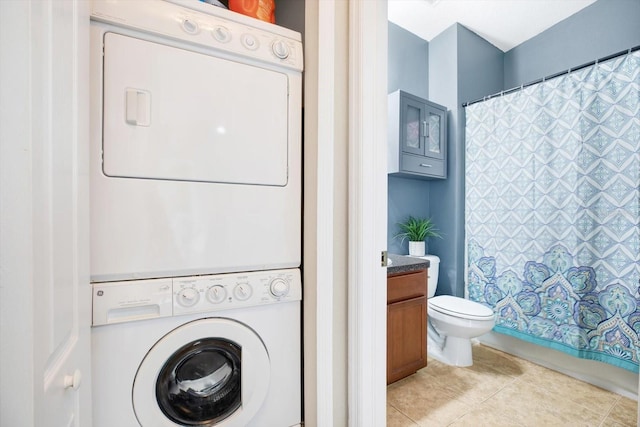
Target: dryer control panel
{"points": [[127, 301], [207, 26]]}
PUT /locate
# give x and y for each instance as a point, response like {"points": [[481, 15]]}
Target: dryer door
{"points": [[175, 114], [212, 372]]}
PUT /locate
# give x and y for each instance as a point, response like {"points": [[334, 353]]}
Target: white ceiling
{"points": [[504, 23]]}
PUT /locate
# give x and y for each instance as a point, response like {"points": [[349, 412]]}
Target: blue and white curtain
{"points": [[553, 211]]}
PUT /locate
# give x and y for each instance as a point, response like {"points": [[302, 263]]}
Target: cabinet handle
{"points": [[425, 165], [425, 129]]}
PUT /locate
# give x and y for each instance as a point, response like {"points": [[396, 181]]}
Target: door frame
{"points": [[367, 309], [364, 109]]}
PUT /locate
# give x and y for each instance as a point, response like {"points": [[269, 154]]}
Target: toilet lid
{"points": [[460, 307]]}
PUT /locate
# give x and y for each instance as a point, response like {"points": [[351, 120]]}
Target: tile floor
{"points": [[502, 390]]}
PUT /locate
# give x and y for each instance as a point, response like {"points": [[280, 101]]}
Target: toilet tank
{"points": [[434, 268]]}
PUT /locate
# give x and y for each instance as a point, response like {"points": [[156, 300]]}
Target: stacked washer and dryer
{"points": [[195, 217]]}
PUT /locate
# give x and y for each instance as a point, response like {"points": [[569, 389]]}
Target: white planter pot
{"points": [[416, 248]]}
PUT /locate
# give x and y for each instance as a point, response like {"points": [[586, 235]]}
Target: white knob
{"points": [[221, 34], [216, 294], [190, 27], [279, 287], [242, 291], [73, 381], [188, 297], [280, 49], [250, 42]]}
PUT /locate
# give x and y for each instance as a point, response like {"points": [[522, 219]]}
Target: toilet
{"points": [[453, 322]]}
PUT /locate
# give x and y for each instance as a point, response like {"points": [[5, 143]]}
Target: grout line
{"points": [[606, 415], [403, 414], [473, 406], [513, 380]]}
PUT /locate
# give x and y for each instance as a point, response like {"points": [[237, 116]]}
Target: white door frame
{"points": [[367, 308], [318, 213], [367, 212]]}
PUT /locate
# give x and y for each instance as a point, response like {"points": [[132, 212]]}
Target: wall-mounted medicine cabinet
{"points": [[417, 140]]}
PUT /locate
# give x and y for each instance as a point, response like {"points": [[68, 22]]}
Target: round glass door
{"points": [[200, 384], [207, 372]]}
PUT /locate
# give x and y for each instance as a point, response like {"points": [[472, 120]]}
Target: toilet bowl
{"points": [[453, 322]]}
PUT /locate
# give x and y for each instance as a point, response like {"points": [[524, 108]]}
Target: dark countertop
{"points": [[405, 263]]}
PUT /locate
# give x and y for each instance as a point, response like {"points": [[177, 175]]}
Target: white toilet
{"points": [[453, 322]]}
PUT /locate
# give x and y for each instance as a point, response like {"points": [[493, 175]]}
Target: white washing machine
{"points": [[195, 164], [220, 350]]}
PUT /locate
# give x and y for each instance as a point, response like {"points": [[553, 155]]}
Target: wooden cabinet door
{"points": [[404, 286], [406, 338]]}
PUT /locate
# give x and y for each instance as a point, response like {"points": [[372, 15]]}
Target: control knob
{"points": [[279, 287], [190, 26], [216, 294], [280, 49], [242, 291], [222, 34], [188, 297]]}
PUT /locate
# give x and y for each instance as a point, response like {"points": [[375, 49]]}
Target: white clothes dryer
{"points": [[220, 350], [196, 126]]}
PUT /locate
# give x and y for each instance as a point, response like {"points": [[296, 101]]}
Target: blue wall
{"points": [[405, 197], [407, 62], [462, 65], [445, 195], [408, 70], [601, 29]]}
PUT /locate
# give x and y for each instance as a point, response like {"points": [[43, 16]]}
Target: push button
{"points": [[250, 42]]}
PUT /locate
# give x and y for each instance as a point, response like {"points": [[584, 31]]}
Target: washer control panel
{"points": [[226, 291], [207, 26], [117, 302]]}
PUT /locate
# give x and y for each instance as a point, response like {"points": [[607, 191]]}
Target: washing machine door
{"points": [[209, 372]]}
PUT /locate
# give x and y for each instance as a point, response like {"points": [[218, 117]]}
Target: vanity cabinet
{"points": [[417, 140], [406, 323]]}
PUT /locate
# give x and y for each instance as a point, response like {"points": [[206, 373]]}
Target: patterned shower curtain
{"points": [[553, 211]]}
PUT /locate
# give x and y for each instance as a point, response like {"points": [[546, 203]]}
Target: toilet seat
{"points": [[460, 307]]}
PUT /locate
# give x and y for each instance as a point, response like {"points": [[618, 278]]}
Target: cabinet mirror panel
{"points": [[413, 127], [434, 133]]}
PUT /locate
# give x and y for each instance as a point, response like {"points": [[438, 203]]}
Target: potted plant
{"points": [[417, 230]]}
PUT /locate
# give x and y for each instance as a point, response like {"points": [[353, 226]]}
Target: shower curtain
{"points": [[553, 211]]}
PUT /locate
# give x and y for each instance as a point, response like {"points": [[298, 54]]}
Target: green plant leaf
{"points": [[416, 229]]}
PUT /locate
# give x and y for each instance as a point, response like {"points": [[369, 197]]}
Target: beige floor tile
{"points": [[396, 418], [442, 412], [436, 368], [533, 406], [502, 362], [411, 386], [624, 413], [610, 423], [503, 390], [472, 385], [425, 402], [589, 396], [484, 416]]}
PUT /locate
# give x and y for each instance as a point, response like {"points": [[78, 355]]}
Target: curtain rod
{"points": [[552, 76]]}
